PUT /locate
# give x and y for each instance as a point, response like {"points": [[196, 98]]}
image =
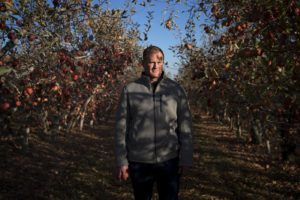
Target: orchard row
{"points": [[247, 74], [61, 65]]}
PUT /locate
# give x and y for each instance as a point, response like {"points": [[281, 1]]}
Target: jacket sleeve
{"points": [[121, 130], [185, 131]]}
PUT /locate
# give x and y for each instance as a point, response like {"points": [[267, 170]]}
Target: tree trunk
{"points": [[84, 112], [239, 127], [268, 146]]}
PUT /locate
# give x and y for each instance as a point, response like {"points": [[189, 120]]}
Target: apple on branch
{"points": [[28, 91], [5, 106]]}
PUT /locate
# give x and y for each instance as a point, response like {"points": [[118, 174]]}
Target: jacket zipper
{"points": [[154, 116], [160, 102]]}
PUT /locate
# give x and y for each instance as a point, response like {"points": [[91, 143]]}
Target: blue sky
{"points": [[159, 35]]}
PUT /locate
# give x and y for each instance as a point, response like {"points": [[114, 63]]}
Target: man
{"points": [[153, 136]]}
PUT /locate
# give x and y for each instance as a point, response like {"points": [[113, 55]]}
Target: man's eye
{"points": [[155, 63]]}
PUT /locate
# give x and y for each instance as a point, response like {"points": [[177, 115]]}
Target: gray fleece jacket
{"points": [[153, 124]]}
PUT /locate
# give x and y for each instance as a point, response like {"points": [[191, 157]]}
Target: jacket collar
{"points": [[146, 79]]}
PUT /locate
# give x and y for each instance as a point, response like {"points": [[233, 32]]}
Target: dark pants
{"points": [[165, 175]]}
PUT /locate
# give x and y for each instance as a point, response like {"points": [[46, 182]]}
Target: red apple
{"points": [[20, 23], [68, 38], [297, 11], [168, 24], [5, 106], [188, 46], [207, 29], [2, 25], [227, 22], [15, 63], [259, 51], [239, 27], [65, 70], [18, 103], [55, 88], [270, 62], [29, 91], [45, 74], [31, 37], [75, 77], [11, 35]]}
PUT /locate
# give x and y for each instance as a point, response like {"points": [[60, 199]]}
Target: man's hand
{"points": [[123, 173]]}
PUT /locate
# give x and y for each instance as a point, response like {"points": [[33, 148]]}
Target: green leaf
{"points": [[4, 70]]}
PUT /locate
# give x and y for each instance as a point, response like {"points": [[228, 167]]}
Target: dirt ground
{"points": [[80, 165]]}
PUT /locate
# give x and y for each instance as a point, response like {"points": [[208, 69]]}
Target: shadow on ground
{"points": [[81, 166], [226, 167]]}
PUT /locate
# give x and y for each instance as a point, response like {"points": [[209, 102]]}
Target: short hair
{"points": [[150, 50]]}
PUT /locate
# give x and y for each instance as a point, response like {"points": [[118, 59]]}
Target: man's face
{"points": [[153, 65]]}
